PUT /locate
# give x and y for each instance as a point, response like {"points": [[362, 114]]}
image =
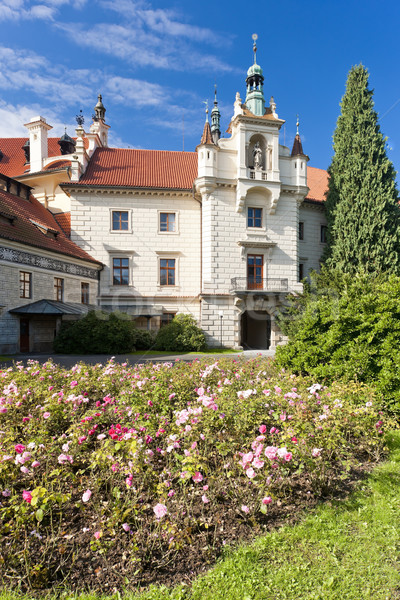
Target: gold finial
{"points": [[206, 103]]}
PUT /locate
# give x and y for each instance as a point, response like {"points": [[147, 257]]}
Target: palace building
{"points": [[223, 233]]}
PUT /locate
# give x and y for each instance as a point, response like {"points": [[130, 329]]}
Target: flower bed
{"points": [[114, 476]]}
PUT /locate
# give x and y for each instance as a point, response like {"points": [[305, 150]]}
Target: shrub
{"points": [[181, 335], [98, 333], [146, 468], [348, 328]]}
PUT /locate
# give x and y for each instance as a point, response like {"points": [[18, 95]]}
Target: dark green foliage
{"points": [[101, 333], [346, 327], [181, 335], [361, 207]]}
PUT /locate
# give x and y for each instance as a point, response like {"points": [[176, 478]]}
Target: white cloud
{"points": [[13, 117], [16, 10], [135, 91], [133, 44]]}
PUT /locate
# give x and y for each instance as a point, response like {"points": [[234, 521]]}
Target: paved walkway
{"points": [[68, 360]]}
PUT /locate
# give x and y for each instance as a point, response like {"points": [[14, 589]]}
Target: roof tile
{"points": [[24, 230], [159, 169]]}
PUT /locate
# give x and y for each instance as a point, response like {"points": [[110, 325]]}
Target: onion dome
{"points": [[255, 101], [67, 144], [27, 151]]}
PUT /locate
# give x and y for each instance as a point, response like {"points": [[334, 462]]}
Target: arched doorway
{"points": [[256, 330]]}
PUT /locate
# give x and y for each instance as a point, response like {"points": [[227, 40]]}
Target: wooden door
{"points": [[24, 335]]}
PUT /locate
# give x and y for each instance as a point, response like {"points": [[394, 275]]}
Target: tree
{"points": [[362, 202]]}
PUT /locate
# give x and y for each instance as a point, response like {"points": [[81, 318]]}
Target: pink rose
{"points": [[197, 477], [262, 429], [267, 500], [27, 496], [250, 472], [19, 448], [86, 496], [160, 510], [270, 452], [205, 499], [97, 535], [245, 509]]}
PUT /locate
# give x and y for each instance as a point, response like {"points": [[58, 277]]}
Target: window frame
{"points": [[169, 212], [114, 268], [301, 271], [323, 234], [24, 283], [254, 218], [166, 318], [129, 220], [59, 289], [174, 270], [301, 231], [85, 293]]}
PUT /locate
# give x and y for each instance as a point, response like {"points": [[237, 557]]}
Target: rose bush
{"points": [[116, 470]]}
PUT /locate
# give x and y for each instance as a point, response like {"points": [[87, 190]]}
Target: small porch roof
{"points": [[51, 307]]}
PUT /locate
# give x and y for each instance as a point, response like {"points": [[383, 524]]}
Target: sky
{"points": [[156, 62]]}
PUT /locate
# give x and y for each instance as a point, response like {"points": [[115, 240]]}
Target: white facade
{"points": [[227, 251]]}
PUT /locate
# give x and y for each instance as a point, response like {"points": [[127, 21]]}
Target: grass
{"points": [[344, 550], [172, 353]]}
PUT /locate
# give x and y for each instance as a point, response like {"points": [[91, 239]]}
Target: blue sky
{"points": [[156, 62]]}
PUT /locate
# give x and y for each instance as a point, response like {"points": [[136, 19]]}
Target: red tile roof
{"points": [[64, 221], [317, 181], [24, 230], [159, 169], [13, 162], [58, 164], [206, 138]]}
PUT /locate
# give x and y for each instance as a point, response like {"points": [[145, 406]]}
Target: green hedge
{"points": [[99, 332]]}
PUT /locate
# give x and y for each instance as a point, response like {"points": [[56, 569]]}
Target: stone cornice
{"points": [[125, 191], [22, 257]]}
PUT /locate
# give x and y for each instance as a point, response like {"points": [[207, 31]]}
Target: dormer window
{"points": [[47, 231]]}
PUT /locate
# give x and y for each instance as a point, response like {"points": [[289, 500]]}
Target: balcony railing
{"points": [[257, 284]]}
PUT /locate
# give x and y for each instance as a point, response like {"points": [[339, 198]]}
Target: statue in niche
{"points": [[257, 156]]}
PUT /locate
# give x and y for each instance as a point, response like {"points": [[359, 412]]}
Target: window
{"points": [[323, 233], [301, 230], [25, 284], [166, 318], [120, 220], [84, 293], [120, 271], [59, 289], [167, 222], [254, 217], [301, 271], [255, 271], [167, 271]]}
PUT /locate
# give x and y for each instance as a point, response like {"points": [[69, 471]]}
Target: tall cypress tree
{"points": [[362, 202]]}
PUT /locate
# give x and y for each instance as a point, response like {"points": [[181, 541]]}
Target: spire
{"points": [[255, 101], [206, 138], [297, 149], [215, 119], [99, 110]]}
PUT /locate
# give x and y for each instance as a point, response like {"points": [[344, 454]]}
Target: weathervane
{"points": [[255, 38], [80, 119]]}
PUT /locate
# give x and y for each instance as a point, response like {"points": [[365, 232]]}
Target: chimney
{"points": [[38, 129]]}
